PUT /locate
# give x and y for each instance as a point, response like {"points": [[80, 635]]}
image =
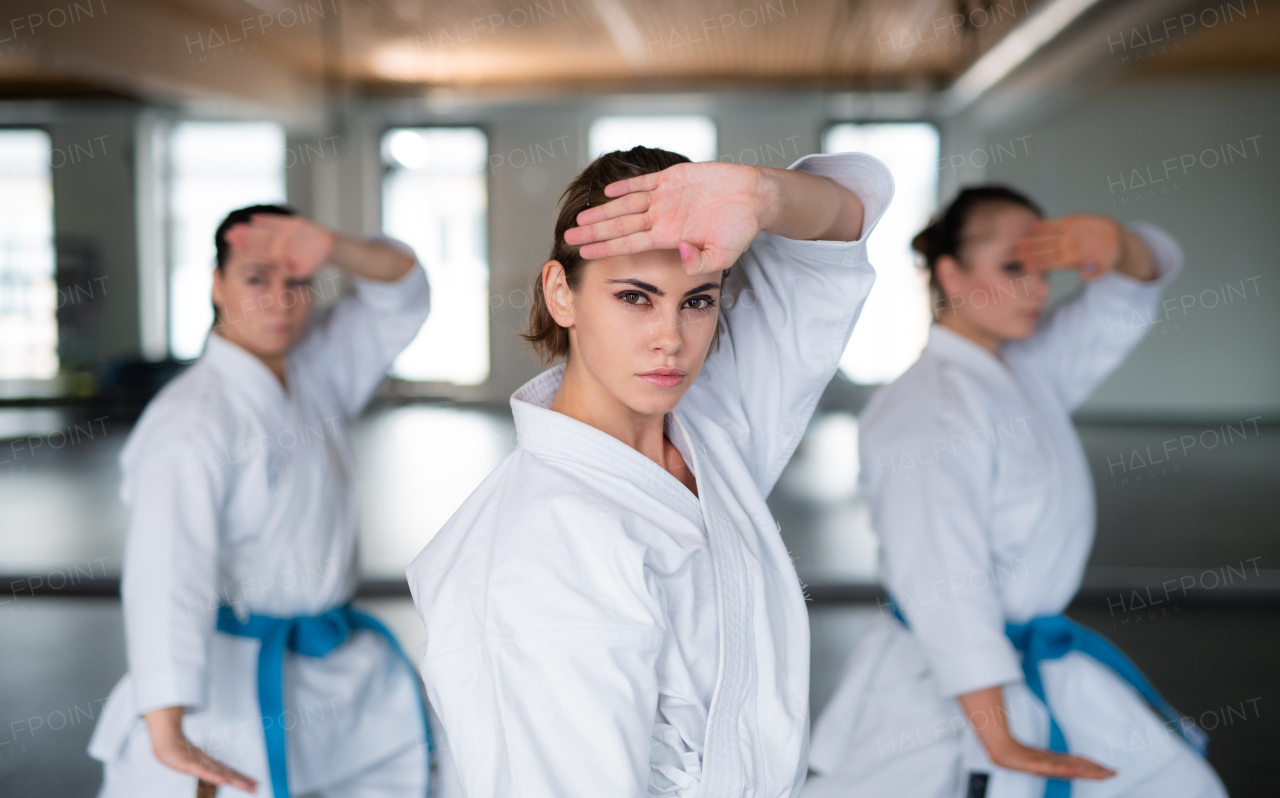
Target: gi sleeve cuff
{"points": [[1166, 253], [160, 689], [965, 672]]}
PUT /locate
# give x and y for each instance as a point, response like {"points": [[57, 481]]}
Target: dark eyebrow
{"points": [[703, 287], [653, 289]]}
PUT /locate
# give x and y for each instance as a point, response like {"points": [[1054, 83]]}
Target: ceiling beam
{"points": [[1065, 68], [624, 32], [1012, 51], [167, 53]]}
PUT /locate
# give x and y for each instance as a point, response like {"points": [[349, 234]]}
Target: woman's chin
{"points": [[271, 345], [1022, 329], [647, 400]]}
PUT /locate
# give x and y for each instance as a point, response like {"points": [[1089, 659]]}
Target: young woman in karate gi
{"points": [[613, 612], [243, 520], [984, 506]]}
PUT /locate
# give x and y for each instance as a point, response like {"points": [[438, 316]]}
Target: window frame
{"points": [[398, 389], [930, 120], [62, 382]]}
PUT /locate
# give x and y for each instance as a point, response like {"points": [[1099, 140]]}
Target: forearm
{"points": [[370, 259], [164, 724], [808, 207], [1136, 260], [985, 712]]}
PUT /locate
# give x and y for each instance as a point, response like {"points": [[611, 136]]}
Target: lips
{"points": [[663, 378]]}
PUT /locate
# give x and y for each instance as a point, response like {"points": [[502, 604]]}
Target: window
{"points": [[692, 136], [28, 291], [894, 324], [434, 198], [213, 168]]}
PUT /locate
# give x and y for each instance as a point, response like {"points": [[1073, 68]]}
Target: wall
{"points": [[1158, 151]]}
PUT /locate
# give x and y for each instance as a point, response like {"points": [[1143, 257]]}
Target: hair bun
{"points": [[925, 242]]}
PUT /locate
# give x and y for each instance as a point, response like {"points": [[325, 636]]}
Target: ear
{"points": [[219, 289], [557, 293], [948, 271]]}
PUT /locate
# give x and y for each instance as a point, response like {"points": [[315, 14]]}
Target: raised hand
{"points": [[172, 748], [1090, 244], [1016, 756], [709, 212], [300, 245]]}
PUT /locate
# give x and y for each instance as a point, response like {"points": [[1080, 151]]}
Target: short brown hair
{"points": [[549, 339]]}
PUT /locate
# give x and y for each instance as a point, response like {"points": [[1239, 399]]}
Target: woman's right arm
{"points": [[1087, 335], [987, 715], [176, 489], [930, 492]]}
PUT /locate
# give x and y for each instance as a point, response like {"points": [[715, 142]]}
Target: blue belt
{"points": [[1054, 636], [311, 636]]}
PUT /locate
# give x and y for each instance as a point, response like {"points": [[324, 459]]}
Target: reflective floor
{"points": [[1204, 511]]}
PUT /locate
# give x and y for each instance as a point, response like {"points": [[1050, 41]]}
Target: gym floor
{"points": [[1205, 518]]}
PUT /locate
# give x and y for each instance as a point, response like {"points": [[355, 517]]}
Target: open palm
{"points": [[300, 245], [1049, 764], [709, 212], [1087, 243], [171, 747]]}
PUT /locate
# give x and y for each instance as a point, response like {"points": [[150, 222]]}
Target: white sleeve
{"points": [[559, 693], [1091, 332], [929, 502], [354, 341], [168, 587], [788, 310]]}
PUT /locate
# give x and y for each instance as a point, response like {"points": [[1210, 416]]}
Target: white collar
{"points": [[244, 371], [551, 435], [956, 348]]}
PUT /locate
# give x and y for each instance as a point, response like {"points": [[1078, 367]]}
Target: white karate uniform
{"points": [[241, 493], [983, 502], [593, 628]]}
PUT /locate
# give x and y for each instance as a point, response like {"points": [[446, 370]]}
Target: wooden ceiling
{"points": [[266, 50]]}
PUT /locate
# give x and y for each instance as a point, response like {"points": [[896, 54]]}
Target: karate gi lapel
{"points": [[955, 348], [249, 378], [553, 436], [722, 763]]}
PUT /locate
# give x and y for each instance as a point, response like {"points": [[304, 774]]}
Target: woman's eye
{"points": [[1013, 267], [256, 280], [701, 303], [632, 297]]}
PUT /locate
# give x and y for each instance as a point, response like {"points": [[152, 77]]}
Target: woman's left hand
{"points": [[300, 245], [709, 212], [1090, 244]]}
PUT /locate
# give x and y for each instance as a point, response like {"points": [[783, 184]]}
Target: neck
{"points": [[276, 364], [582, 398], [988, 341]]}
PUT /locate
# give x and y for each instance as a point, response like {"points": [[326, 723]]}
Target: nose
{"points": [[665, 331], [1038, 286], [288, 297]]}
